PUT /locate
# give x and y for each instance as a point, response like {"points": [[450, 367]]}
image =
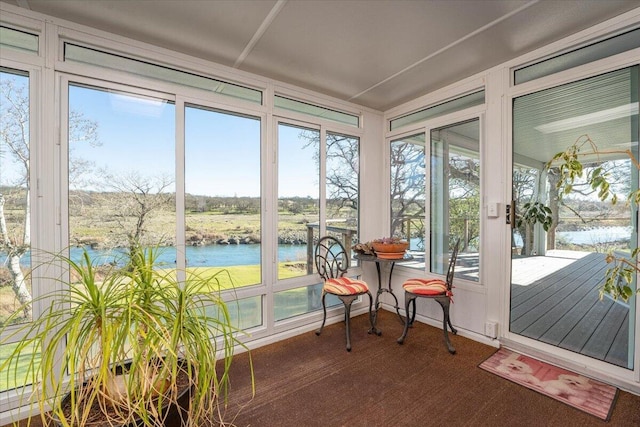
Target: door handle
{"points": [[511, 214]]}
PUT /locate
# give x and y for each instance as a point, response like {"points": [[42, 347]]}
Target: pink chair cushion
{"points": [[426, 287], [345, 286]]}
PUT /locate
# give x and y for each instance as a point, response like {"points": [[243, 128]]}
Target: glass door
{"points": [[563, 233]]}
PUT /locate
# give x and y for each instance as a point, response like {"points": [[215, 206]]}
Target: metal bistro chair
{"points": [[332, 262], [437, 289]]}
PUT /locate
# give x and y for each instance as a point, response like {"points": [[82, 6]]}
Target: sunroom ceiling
{"points": [[375, 53], [604, 107]]}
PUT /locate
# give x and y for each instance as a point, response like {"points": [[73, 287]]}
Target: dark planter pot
{"points": [[173, 413]]}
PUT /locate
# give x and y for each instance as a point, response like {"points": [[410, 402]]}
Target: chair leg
{"points": [[408, 298], [347, 317], [453, 330], [413, 315], [324, 314], [444, 303]]}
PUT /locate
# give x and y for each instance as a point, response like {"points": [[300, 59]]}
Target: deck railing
{"points": [[346, 233]]}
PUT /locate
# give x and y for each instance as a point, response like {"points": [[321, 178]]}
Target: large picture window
{"points": [[223, 216], [342, 187], [298, 198]]}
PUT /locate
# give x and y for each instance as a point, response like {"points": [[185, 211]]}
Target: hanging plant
{"points": [[535, 212], [618, 281]]}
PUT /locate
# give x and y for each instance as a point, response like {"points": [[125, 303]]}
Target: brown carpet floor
{"points": [[313, 381]]}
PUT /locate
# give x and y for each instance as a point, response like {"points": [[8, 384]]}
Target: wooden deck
{"points": [[555, 299], [564, 309]]}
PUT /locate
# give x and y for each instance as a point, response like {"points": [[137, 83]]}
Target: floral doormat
{"points": [[586, 394]]}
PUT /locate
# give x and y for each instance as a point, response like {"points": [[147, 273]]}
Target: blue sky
{"points": [[222, 150], [135, 135]]}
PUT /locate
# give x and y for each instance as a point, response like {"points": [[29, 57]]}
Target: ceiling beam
{"points": [[275, 10], [447, 47]]}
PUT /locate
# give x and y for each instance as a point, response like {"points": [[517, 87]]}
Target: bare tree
{"points": [[464, 198], [343, 166], [138, 198], [15, 235], [407, 184]]}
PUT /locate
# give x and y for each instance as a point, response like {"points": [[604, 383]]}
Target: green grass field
{"points": [[15, 375]]}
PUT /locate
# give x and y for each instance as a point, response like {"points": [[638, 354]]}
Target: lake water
{"points": [[197, 256], [230, 255], [598, 235]]}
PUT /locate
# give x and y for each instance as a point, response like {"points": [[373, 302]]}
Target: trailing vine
{"points": [[619, 278]]}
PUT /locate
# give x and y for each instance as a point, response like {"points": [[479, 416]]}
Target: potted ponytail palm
{"points": [[136, 339]]}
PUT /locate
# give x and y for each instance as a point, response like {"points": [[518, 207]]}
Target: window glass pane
{"points": [[342, 188], [121, 173], [408, 194], [302, 300], [15, 200], [467, 101], [298, 199], [603, 49], [222, 185], [18, 40], [244, 313], [316, 111], [455, 198], [115, 62], [15, 206]]}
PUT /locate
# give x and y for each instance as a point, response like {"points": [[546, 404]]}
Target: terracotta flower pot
{"points": [[390, 247]]}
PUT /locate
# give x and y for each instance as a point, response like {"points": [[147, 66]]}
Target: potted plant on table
{"points": [[135, 340], [390, 247]]}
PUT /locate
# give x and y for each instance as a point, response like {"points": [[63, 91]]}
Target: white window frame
{"points": [[279, 285]]}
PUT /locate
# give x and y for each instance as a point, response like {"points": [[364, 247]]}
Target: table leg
{"points": [[390, 290], [377, 303]]}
